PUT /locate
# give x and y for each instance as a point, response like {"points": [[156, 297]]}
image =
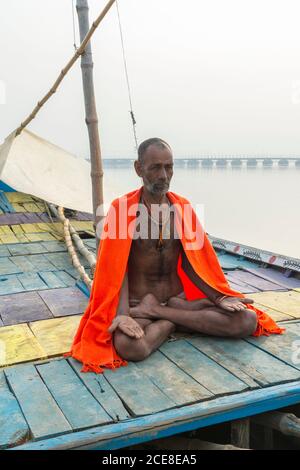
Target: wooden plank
{"points": [[59, 260], [31, 207], [54, 246], [276, 276], [239, 285], [286, 346], [64, 385], [216, 379], [10, 285], [23, 307], [8, 238], [31, 281], [33, 237], [20, 345], [42, 413], [18, 207], [46, 236], [23, 263], [52, 280], [4, 251], [255, 281], [18, 197], [31, 228], [68, 280], [7, 267], [179, 386], [42, 263], [26, 249], [140, 395], [65, 301], [13, 427], [178, 420], [275, 314], [17, 229], [102, 391], [245, 359], [237, 260], [56, 335], [285, 302]]}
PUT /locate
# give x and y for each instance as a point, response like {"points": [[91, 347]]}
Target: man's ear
{"points": [[138, 168]]}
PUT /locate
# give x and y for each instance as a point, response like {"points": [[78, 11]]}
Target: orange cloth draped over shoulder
{"points": [[92, 344]]}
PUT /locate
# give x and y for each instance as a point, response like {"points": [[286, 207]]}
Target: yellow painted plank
{"points": [[8, 238], [18, 197], [56, 335], [21, 238], [18, 207], [17, 229], [275, 314], [82, 225], [18, 344], [31, 228], [5, 230], [31, 207], [284, 302], [34, 237], [45, 237], [46, 227]]}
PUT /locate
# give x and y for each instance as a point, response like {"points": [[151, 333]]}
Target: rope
{"points": [[74, 31], [127, 79]]}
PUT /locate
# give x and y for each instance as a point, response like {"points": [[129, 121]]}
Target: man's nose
{"points": [[163, 175]]}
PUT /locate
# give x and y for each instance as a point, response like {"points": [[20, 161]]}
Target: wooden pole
{"points": [[91, 115]]}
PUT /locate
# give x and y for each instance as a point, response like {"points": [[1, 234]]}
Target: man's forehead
{"points": [[155, 154]]}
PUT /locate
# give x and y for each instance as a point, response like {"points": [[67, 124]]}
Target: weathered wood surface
{"points": [[22, 308], [66, 301], [19, 345]]}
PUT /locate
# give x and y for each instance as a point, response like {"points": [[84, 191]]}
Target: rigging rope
{"points": [[74, 30], [127, 79]]}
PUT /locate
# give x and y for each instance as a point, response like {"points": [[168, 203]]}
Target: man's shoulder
{"points": [[178, 198]]}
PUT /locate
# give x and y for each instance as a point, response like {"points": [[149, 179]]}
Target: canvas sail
{"points": [[32, 165]]}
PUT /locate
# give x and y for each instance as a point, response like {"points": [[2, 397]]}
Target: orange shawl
{"points": [[92, 344]]}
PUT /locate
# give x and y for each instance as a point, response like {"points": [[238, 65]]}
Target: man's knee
{"points": [[244, 323], [131, 349]]}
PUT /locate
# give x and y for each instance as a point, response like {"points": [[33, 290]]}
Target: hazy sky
{"points": [[210, 77]]}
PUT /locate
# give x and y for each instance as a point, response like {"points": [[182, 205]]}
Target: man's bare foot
{"points": [[127, 325], [145, 308], [182, 304]]}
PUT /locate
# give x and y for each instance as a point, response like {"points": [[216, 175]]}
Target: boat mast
{"points": [[91, 118]]}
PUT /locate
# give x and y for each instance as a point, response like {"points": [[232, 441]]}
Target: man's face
{"points": [[156, 169]]}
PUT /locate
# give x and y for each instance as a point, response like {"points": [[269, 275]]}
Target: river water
{"points": [[258, 206]]}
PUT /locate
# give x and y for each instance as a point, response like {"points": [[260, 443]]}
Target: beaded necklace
{"points": [[161, 225]]}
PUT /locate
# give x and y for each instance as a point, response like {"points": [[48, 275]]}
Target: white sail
{"points": [[32, 165]]}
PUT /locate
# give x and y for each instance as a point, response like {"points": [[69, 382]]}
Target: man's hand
{"points": [[233, 304], [127, 325]]}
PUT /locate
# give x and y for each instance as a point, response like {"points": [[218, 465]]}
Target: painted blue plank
{"points": [[240, 357], [239, 285], [23, 263], [6, 188], [171, 422], [68, 390], [5, 205], [181, 387], [137, 391], [68, 280], [13, 427], [31, 281], [42, 414], [84, 288], [4, 251], [54, 246], [286, 347], [7, 267], [25, 248], [42, 263], [51, 280], [61, 261], [215, 379], [102, 391], [10, 285]]}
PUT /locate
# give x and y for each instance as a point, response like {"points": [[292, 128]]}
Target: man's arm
{"points": [[211, 293], [226, 302], [123, 307]]}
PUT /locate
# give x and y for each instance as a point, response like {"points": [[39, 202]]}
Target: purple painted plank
{"points": [[239, 285], [255, 281], [277, 277], [22, 308], [65, 301]]}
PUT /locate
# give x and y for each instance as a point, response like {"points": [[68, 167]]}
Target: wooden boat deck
{"points": [[192, 381]]}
